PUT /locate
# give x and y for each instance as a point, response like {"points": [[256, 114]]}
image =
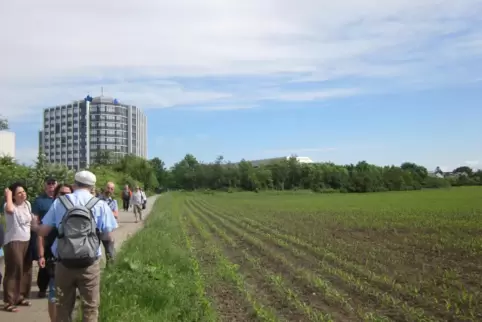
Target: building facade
{"points": [[76, 134], [7, 144]]}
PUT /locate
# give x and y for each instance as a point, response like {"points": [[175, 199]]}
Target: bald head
{"points": [[109, 188]]}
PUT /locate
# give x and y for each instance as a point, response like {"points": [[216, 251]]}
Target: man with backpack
{"points": [[107, 196], [82, 220], [126, 197]]}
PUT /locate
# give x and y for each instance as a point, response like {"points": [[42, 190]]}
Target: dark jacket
{"points": [[2, 235]]}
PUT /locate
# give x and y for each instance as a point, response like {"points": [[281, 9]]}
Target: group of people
{"points": [[137, 200], [63, 230]]}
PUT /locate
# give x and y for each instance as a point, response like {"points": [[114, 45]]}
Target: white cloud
{"points": [[312, 95], [56, 51], [223, 107], [144, 94]]}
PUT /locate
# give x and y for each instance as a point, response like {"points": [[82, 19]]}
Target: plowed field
{"points": [[408, 256]]}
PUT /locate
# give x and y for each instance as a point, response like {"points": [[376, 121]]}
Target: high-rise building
{"points": [[75, 134], [7, 144]]}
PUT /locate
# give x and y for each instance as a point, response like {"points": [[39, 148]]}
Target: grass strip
{"points": [[153, 278]]}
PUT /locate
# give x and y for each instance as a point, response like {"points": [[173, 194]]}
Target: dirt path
{"points": [[38, 311]]}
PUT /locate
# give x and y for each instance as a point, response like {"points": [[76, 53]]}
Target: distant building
{"points": [[75, 134], [7, 144], [435, 174], [257, 163]]}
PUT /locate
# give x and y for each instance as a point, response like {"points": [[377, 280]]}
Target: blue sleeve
{"points": [[35, 207], [107, 222], [115, 207], [49, 218]]}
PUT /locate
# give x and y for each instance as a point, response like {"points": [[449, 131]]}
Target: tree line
{"points": [[289, 174], [129, 170], [282, 174]]}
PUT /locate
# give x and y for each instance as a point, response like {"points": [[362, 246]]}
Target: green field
{"points": [[298, 256]]}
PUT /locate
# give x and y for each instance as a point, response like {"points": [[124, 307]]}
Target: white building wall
{"points": [[7, 144]]}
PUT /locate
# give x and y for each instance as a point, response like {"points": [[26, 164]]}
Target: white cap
{"points": [[85, 177]]}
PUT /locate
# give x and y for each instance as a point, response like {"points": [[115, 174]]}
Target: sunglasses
{"points": [[51, 183]]}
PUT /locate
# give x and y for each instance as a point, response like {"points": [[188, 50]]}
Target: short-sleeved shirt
{"points": [[41, 205], [103, 215], [18, 223], [111, 202], [137, 198]]}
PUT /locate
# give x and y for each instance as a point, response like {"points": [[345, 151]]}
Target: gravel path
{"points": [[38, 311]]}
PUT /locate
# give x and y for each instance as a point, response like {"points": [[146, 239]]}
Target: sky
{"points": [[341, 81]]}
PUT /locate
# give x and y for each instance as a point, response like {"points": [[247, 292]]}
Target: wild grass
{"points": [[154, 278]]}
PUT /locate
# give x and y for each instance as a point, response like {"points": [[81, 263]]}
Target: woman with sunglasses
{"points": [[18, 262], [47, 259]]}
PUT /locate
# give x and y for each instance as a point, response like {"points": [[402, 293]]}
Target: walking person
{"points": [[1, 261], [126, 197], [46, 257], [107, 196], [40, 206], [2, 236], [18, 261], [77, 248], [136, 202], [144, 199]]}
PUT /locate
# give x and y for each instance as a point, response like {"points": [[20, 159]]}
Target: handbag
{"points": [[32, 250]]}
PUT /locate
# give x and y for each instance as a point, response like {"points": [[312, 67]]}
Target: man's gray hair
{"points": [[83, 185]]}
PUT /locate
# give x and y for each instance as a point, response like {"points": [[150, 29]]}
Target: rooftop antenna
{"points": [[102, 91]]}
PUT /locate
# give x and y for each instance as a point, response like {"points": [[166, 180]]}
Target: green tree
{"points": [[3, 124], [282, 174], [160, 171]]}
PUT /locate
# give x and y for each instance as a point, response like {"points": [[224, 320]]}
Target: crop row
{"points": [[399, 299], [279, 291], [226, 269], [303, 278]]}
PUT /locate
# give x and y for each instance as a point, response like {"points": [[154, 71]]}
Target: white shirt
{"points": [[136, 198], [18, 223]]}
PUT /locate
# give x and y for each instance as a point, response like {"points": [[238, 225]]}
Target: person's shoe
{"points": [[42, 294]]}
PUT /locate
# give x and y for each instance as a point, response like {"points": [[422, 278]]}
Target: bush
{"points": [[434, 182], [33, 176]]}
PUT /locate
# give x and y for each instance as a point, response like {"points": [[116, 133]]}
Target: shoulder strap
{"points": [[66, 202], [29, 206], [107, 200], [92, 202]]}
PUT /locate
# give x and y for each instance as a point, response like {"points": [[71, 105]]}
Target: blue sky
{"points": [[249, 79]]}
